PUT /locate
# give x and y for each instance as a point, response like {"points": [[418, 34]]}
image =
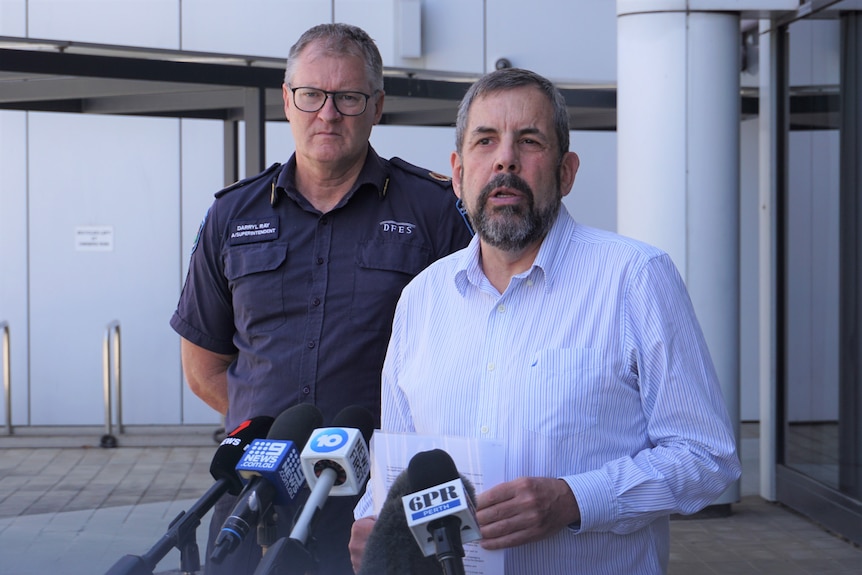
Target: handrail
{"points": [[7, 374], [113, 328]]}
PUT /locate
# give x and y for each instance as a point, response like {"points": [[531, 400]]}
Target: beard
{"points": [[512, 228]]}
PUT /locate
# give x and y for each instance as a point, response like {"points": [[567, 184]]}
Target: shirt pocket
{"points": [[255, 275], [382, 270], [562, 391]]}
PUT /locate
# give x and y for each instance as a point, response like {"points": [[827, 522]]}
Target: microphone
{"points": [[181, 531], [274, 476], [440, 513], [335, 462], [391, 548], [232, 448]]}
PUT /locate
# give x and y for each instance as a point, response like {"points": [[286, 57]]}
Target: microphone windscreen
{"points": [[430, 468], [296, 424], [391, 548], [232, 447], [356, 417]]}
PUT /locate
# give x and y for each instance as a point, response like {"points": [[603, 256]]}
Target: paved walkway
{"points": [[70, 507]]}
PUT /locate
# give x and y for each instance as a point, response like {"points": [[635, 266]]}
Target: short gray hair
{"points": [[342, 39], [508, 79]]}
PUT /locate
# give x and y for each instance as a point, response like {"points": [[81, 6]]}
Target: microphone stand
{"points": [[286, 556], [180, 534]]}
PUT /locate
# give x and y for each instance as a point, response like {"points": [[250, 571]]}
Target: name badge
{"points": [[250, 231]]}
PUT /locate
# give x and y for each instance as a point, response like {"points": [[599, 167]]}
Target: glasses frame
{"points": [[326, 95]]}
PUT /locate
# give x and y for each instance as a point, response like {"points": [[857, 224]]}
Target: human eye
{"points": [[349, 97], [309, 94]]}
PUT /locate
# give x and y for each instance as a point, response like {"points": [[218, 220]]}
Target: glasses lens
{"points": [[350, 103], [308, 99]]}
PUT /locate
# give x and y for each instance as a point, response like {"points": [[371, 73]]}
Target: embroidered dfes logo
{"points": [[393, 227]]}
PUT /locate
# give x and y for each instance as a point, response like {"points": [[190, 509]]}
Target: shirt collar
{"points": [[468, 271], [374, 173]]}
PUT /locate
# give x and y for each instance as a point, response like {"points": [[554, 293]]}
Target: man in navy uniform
{"points": [[295, 274]]}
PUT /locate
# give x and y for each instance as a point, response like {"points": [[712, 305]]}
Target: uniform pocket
{"points": [[255, 274], [383, 268]]}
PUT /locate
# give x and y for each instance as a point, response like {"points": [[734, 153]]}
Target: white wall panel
{"points": [[13, 256], [427, 147], [377, 17], [565, 41], [453, 36], [122, 173], [150, 23], [13, 18], [593, 199], [252, 27], [202, 168], [279, 142]]}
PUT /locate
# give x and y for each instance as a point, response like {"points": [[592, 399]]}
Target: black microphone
{"points": [[441, 511], [413, 512], [273, 469], [232, 448], [181, 531], [391, 548]]}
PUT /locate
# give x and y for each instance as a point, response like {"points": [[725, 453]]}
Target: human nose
{"points": [[507, 158], [329, 111]]}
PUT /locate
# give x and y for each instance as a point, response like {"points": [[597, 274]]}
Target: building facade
{"points": [[726, 132]]}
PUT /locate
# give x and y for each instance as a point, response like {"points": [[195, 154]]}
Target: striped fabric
{"points": [[591, 367]]}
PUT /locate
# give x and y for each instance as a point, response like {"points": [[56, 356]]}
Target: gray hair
{"points": [[341, 39], [507, 79]]}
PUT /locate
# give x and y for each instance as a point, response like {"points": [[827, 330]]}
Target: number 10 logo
{"points": [[328, 440]]}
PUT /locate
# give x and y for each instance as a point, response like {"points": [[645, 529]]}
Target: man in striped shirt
{"points": [[578, 348]]}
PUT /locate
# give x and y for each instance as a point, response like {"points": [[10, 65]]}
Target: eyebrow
{"points": [[483, 130]]}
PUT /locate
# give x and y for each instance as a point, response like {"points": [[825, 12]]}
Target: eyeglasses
{"points": [[346, 103]]}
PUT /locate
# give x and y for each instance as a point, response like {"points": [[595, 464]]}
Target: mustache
{"points": [[508, 180]]}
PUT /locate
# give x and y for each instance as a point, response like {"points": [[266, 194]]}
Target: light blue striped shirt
{"points": [[591, 367]]}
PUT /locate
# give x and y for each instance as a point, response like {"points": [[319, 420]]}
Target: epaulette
{"points": [[441, 179], [250, 179]]}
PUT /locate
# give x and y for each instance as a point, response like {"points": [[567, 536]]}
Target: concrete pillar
{"points": [[678, 119]]}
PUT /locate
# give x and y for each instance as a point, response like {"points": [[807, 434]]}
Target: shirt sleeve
{"points": [[204, 314], [691, 458]]}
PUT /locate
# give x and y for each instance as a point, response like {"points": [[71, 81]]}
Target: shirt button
{"points": [[324, 221], [529, 282], [491, 367], [319, 261], [484, 430], [306, 390], [311, 344], [315, 301], [501, 308]]}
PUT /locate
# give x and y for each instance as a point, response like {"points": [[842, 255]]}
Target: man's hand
{"points": [[524, 510], [358, 538]]}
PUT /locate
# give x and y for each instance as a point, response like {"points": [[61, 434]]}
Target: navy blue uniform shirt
{"points": [[306, 299]]}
